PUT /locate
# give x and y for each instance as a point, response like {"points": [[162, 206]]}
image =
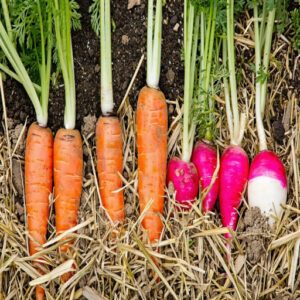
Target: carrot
{"points": [[68, 152], [68, 169], [109, 145], [38, 186], [39, 144], [152, 126]]}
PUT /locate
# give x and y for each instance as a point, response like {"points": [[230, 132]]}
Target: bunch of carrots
{"points": [[208, 47]]}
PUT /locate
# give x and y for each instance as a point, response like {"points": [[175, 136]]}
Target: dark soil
{"points": [[129, 43], [255, 233]]}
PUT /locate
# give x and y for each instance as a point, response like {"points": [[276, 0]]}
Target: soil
{"points": [[255, 233], [129, 43]]}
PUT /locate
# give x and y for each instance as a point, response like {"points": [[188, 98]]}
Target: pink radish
{"points": [[267, 187], [234, 165], [233, 178], [205, 158], [184, 178], [182, 173], [267, 179]]}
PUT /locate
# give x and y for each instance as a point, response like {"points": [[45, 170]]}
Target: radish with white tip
{"points": [[267, 187]]}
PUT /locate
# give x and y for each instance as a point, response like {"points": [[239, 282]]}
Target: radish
{"points": [[233, 179], [205, 158], [267, 178], [182, 173], [234, 161], [185, 178]]}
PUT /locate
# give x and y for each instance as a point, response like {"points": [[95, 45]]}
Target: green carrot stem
{"points": [[62, 21], [107, 102], [154, 37]]}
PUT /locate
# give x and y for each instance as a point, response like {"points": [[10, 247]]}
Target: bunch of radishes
{"points": [[198, 166]]}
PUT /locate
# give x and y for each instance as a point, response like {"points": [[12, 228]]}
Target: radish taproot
{"points": [[205, 158], [267, 187], [182, 173], [234, 165]]}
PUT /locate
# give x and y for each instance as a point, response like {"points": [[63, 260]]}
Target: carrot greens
{"points": [[66, 17], [30, 55]]}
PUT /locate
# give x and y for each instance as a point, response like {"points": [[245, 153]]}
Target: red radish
{"points": [[185, 179], [267, 179], [234, 165], [267, 187], [181, 172], [233, 178], [205, 158]]}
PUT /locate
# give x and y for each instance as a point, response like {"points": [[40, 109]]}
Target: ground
{"points": [[128, 45], [262, 258]]}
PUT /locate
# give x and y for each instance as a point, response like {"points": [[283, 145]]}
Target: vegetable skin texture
{"points": [[152, 129], [205, 158], [233, 179], [109, 146], [38, 187], [184, 177], [267, 186], [68, 173]]}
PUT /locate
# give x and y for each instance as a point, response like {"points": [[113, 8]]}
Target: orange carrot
{"points": [[38, 187], [109, 143], [152, 126], [109, 164], [68, 173]]}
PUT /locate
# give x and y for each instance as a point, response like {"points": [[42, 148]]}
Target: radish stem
{"points": [[191, 26], [231, 68]]}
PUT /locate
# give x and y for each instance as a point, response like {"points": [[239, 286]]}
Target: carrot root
{"points": [[68, 173], [38, 187], [152, 127], [109, 145]]}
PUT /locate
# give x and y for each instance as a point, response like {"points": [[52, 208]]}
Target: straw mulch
{"points": [[115, 262]]}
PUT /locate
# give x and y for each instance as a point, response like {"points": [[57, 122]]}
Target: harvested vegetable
{"points": [[182, 173], [152, 127], [234, 161], [267, 187], [68, 153], [205, 156], [109, 141], [39, 142]]}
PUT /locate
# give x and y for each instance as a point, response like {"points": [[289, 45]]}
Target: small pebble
{"points": [[176, 27], [125, 39]]}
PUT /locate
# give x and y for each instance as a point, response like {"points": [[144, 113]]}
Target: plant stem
{"points": [[232, 71], [107, 103], [7, 20], [259, 122], [266, 56], [227, 93], [11, 54], [154, 37], [62, 21], [188, 40]]}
